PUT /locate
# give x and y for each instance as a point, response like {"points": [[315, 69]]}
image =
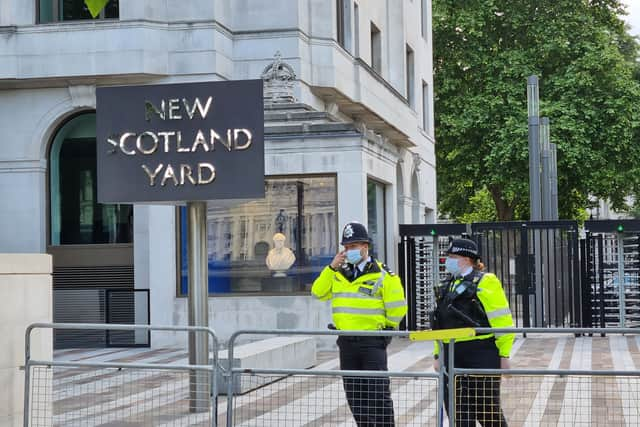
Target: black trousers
{"points": [[477, 397], [369, 398]]}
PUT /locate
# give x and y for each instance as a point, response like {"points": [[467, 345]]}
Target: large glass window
{"points": [[72, 10], [76, 215], [376, 207], [278, 244]]}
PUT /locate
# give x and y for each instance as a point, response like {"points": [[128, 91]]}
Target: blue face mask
{"points": [[353, 256], [452, 266]]}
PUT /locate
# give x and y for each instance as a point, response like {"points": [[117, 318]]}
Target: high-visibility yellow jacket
{"points": [[375, 300], [496, 308]]}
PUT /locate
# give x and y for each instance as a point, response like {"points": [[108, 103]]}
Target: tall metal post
{"points": [[535, 205], [554, 181], [545, 151], [533, 107], [621, 285], [198, 304]]}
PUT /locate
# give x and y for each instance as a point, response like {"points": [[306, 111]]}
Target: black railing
{"points": [[101, 305]]}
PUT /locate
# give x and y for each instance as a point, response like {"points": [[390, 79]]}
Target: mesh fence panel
{"points": [[549, 400], [63, 396], [319, 400]]}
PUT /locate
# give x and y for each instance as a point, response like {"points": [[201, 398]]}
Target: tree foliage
{"points": [[585, 60]]}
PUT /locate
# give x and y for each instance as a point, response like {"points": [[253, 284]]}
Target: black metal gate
{"points": [[610, 268], [538, 265], [537, 262], [421, 265]]}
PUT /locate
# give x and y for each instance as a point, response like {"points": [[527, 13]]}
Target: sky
{"points": [[633, 8]]}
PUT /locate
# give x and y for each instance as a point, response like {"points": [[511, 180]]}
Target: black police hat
{"points": [[463, 247], [354, 232]]}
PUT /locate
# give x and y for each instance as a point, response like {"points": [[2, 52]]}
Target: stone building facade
{"points": [[348, 136]]}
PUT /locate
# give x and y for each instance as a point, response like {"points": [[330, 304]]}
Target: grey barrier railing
{"points": [[610, 396], [326, 402], [530, 397], [95, 393], [542, 394]]}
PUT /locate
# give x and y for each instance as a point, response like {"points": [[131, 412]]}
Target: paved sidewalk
{"points": [[529, 401]]}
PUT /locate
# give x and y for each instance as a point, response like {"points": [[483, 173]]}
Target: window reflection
{"points": [[302, 210], [376, 217], [73, 10], [76, 215]]}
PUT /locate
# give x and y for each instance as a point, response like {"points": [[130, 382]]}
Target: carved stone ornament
{"points": [[279, 79], [416, 161]]}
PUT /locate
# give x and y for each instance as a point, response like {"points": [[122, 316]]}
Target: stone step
{"points": [[294, 352]]}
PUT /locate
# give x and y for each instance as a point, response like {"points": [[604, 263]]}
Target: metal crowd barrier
{"points": [[566, 392], [296, 397], [533, 397], [68, 393]]}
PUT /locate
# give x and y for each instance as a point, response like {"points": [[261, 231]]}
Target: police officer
{"points": [[365, 295], [472, 298]]}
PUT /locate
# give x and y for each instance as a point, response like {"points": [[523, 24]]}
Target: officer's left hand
{"points": [[504, 363]]}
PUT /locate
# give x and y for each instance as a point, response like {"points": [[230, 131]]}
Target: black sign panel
{"points": [[180, 142]]}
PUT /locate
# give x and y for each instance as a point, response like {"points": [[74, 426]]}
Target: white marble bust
{"points": [[280, 258]]}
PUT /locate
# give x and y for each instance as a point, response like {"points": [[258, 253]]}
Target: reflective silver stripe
{"points": [[355, 295], [351, 310], [378, 284], [497, 313], [396, 319], [395, 304]]}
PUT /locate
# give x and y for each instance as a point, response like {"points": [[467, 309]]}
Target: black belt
{"points": [[360, 338]]}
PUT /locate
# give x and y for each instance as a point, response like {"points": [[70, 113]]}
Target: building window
{"points": [[343, 13], [410, 76], [424, 10], [356, 30], [72, 10], [76, 216], [341, 22], [426, 111], [376, 224], [278, 244], [376, 49]]}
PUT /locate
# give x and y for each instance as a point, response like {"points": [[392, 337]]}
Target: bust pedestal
{"points": [[279, 284]]}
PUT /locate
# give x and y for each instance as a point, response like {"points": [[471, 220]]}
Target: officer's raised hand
{"points": [[338, 260]]}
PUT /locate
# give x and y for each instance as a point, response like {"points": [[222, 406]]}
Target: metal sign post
{"points": [[177, 143], [198, 303]]}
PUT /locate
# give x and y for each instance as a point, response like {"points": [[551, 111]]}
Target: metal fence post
{"points": [[452, 383], [230, 380], [214, 378], [440, 402], [27, 357]]}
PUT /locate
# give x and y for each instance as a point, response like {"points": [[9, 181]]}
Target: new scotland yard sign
{"points": [[180, 142]]}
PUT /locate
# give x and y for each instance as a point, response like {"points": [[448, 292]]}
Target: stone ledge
{"points": [[294, 352], [25, 264]]}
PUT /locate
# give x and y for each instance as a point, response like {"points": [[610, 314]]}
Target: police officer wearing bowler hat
{"points": [[472, 298], [365, 295]]}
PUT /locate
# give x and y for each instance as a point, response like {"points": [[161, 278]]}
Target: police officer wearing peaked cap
{"points": [[365, 296], [472, 298]]}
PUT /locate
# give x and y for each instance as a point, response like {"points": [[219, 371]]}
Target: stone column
{"points": [[25, 298]]}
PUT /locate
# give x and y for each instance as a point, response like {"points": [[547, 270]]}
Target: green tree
{"points": [[483, 52], [95, 6]]}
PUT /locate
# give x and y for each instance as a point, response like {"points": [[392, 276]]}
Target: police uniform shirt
{"points": [[358, 269]]}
